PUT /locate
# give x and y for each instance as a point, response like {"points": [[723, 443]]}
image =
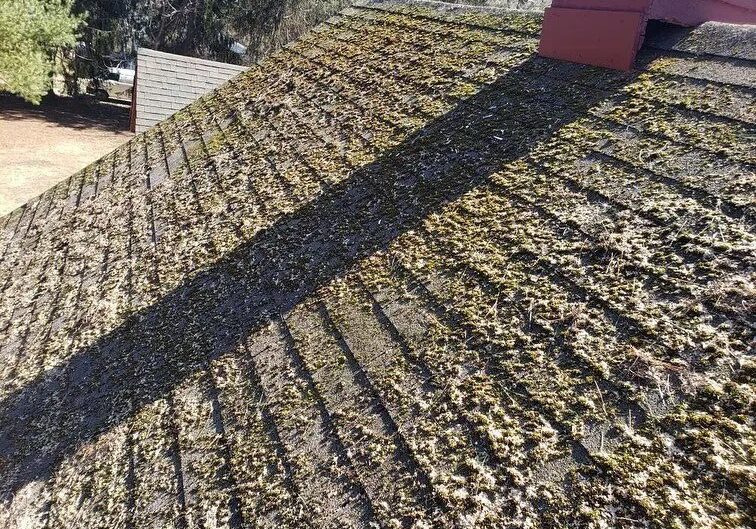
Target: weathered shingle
{"points": [[402, 273]]}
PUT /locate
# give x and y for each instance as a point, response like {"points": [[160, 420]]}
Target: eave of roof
{"points": [[402, 273]]}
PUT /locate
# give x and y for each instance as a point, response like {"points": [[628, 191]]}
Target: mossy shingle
{"points": [[403, 273]]}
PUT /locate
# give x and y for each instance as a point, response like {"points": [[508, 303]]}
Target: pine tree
{"points": [[30, 31]]}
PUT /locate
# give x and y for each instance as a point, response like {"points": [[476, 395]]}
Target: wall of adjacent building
{"points": [[166, 83]]}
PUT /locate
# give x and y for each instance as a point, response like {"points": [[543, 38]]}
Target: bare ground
{"points": [[41, 145]]}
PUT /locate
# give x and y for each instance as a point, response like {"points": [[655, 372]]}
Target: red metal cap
{"points": [[606, 5], [592, 36]]}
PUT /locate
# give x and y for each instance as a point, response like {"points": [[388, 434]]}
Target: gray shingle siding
{"points": [[167, 83]]}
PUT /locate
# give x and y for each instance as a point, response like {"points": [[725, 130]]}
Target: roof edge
{"points": [[450, 6], [176, 56]]}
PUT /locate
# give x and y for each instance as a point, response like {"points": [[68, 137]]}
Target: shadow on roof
{"points": [[154, 350]]}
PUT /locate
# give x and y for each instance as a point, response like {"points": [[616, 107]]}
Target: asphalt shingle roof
{"points": [[167, 82], [403, 273]]}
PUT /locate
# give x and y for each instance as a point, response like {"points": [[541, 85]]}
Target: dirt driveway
{"points": [[41, 145]]}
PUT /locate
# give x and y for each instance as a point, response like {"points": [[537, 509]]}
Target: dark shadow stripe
{"points": [[208, 314]]}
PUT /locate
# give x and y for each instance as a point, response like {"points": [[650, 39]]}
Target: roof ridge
{"points": [[440, 22], [178, 56], [371, 5], [449, 5]]}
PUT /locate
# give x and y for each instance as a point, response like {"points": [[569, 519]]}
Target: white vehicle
{"points": [[117, 83]]}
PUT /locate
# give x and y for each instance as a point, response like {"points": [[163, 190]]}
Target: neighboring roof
{"points": [[167, 82], [403, 273]]}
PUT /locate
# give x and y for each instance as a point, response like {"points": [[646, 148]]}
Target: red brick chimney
{"points": [[609, 33]]}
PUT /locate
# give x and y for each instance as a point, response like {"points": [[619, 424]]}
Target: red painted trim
{"points": [[132, 113], [604, 5], [590, 36]]}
